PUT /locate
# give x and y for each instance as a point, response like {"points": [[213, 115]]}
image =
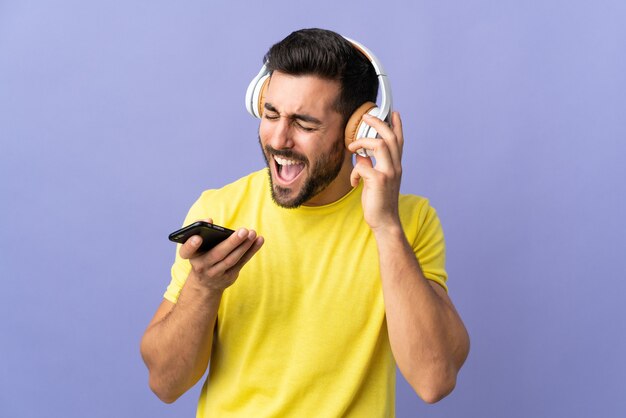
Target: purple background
{"points": [[115, 115]]}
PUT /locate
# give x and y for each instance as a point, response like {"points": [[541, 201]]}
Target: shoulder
{"points": [[418, 216], [244, 186], [412, 206], [223, 205], [424, 232]]}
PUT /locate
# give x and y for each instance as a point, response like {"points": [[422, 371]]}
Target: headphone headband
{"points": [[355, 126], [255, 88], [383, 80]]}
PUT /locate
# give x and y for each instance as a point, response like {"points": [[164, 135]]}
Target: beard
{"points": [[318, 176]]}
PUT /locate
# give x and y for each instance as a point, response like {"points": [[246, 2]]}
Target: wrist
{"points": [[202, 290], [391, 230]]}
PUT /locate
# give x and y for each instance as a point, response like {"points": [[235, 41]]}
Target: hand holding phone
{"points": [[211, 234]]}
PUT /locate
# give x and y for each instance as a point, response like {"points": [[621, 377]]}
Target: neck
{"points": [[338, 188]]}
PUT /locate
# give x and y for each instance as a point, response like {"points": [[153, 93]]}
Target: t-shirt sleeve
{"points": [[429, 246], [181, 267]]}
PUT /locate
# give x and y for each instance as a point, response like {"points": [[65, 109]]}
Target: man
{"points": [[350, 280]]}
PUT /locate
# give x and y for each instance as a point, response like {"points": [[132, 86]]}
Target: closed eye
{"points": [[301, 121], [305, 128]]}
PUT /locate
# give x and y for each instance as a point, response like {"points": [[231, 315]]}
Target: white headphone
{"points": [[355, 128]]}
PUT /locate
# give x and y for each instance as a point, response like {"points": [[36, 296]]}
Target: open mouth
{"points": [[287, 170]]}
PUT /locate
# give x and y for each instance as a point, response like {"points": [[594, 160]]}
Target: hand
{"points": [[381, 183], [219, 267]]}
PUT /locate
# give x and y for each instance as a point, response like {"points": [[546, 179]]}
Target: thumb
{"points": [[355, 176], [361, 169], [189, 248]]}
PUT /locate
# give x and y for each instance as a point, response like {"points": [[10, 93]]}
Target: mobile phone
{"points": [[211, 234]]}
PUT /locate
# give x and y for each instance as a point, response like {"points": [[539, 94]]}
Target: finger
{"points": [[234, 257], [254, 248], [363, 169], [396, 123], [380, 125], [226, 247], [389, 135], [380, 149], [367, 161], [355, 175], [190, 247]]}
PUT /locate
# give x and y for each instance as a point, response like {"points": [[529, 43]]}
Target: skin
{"points": [[299, 119], [176, 346], [428, 339]]}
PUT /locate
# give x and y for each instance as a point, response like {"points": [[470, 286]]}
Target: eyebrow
{"points": [[302, 117]]}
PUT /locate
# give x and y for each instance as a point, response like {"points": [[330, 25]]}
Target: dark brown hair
{"points": [[328, 55]]}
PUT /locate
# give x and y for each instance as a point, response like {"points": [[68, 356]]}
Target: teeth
{"points": [[284, 161]]}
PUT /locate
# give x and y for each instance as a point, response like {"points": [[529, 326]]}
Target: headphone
{"points": [[356, 127]]}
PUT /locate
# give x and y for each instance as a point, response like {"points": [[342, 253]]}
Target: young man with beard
{"points": [[350, 280]]}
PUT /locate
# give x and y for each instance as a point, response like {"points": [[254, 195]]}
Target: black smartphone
{"points": [[211, 234]]}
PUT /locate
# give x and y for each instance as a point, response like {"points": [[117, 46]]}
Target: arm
{"points": [[428, 339], [427, 336], [176, 346]]}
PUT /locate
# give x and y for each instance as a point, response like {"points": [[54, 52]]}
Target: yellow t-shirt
{"points": [[302, 331]]}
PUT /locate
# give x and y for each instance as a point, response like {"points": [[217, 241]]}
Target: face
{"points": [[302, 140]]}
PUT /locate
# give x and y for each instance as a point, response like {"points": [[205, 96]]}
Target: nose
{"points": [[279, 133]]}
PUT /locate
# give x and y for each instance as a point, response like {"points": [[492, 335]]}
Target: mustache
{"points": [[289, 154]]}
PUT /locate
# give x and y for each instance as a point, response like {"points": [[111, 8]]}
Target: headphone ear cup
{"points": [[262, 92], [355, 123], [255, 93]]}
